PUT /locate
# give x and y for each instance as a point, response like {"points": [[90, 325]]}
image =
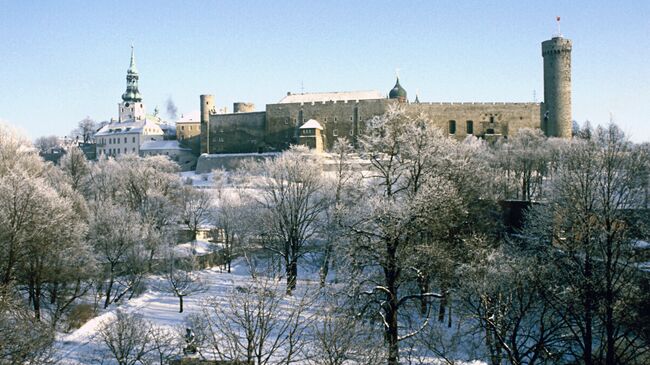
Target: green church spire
{"points": [[132, 94]]}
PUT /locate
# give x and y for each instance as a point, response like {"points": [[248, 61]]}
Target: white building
{"points": [[133, 127], [181, 155]]}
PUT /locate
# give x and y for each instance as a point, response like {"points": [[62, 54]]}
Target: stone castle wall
{"points": [[278, 127], [237, 133], [338, 119]]}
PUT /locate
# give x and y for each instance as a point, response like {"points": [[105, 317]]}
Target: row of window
{"points": [[469, 127], [115, 140], [114, 151]]}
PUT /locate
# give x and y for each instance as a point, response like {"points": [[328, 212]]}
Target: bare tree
{"points": [[76, 168], [229, 217], [23, 339], [290, 204], [85, 130], [127, 338], [340, 338], [585, 234], [180, 280], [46, 143], [404, 209], [196, 206], [115, 233], [252, 324]]}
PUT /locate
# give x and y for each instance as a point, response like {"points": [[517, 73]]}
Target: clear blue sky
{"points": [[61, 61]]}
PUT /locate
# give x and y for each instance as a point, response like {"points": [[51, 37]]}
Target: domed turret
{"points": [[397, 92], [132, 93]]}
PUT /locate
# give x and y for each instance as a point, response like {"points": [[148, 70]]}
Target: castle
{"points": [[342, 114]]}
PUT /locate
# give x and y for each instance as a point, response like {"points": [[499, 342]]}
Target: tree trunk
{"points": [[588, 300], [292, 276], [391, 273], [37, 301], [107, 302], [180, 298], [325, 265], [53, 293], [443, 306], [423, 281]]}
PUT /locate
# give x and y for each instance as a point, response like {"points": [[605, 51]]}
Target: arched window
{"points": [[452, 127], [470, 127]]}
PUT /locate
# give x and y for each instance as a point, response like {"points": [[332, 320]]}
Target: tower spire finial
{"points": [[559, 32], [132, 63]]}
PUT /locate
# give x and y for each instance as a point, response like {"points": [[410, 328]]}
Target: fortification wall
{"points": [[237, 133], [230, 162], [338, 119], [485, 118]]}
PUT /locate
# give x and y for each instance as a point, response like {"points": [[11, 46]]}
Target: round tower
{"points": [[207, 106], [557, 87]]}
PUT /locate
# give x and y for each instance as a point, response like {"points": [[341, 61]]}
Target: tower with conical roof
{"points": [[131, 107]]}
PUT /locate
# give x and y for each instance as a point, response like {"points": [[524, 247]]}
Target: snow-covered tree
{"points": [[290, 206], [585, 233], [23, 339], [180, 280], [127, 338], [251, 324], [196, 206], [116, 233], [406, 207]]}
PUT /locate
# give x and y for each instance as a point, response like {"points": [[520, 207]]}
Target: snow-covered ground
{"points": [[156, 306], [83, 346]]}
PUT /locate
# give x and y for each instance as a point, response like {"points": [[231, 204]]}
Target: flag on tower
{"points": [[557, 18]]}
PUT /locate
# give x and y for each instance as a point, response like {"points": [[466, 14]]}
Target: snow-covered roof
{"points": [[162, 145], [312, 124], [193, 117], [331, 96], [129, 127]]}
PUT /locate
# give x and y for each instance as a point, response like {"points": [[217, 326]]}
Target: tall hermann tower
{"points": [[131, 107], [557, 119]]}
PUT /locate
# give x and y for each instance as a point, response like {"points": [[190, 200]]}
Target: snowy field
{"points": [[84, 346]]}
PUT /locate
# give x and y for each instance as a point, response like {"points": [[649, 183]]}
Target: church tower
{"points": [[556, 115], [131, 107]]}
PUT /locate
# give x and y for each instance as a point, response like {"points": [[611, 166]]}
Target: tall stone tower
{"points": [[207, 107], [557, 120]]}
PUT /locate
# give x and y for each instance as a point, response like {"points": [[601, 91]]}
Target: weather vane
{"points": [[559, 32]]}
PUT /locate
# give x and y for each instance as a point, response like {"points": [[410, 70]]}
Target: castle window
{"points": [[350, 119], [470, 127], [133, 149], [124, 149], [491, 118], [335, 132], [334, 119], [124, 139], [182, 127], [489, 131], [352, 132], [326, 119], [286, 121], [133, 139], [452, 127]]}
